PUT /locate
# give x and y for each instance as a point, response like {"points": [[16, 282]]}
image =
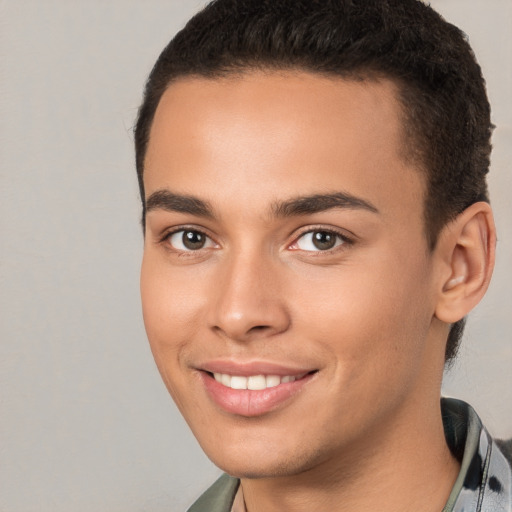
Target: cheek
{"points": [[169, 299], [170, 306], [370, 315]]}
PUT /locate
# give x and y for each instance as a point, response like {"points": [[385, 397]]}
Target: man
{"points": [[317, 227]]}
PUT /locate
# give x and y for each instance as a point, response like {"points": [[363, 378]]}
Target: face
{"points": [[286, 283]]}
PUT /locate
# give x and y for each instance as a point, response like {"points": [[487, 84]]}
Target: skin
{"points": [[369, 316]]}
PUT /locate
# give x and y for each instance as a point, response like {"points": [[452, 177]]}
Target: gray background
{"points": [[85, 422]]}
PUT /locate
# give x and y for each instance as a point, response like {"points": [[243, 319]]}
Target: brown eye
{"points": [[189, 240], [319, 240], [323, 240]]}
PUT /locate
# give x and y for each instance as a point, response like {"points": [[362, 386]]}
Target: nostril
{"points": [[259, 328]]}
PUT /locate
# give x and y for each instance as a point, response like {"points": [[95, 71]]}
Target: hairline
{"points": [[409, 150]]}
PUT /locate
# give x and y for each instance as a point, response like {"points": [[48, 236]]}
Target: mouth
{"points": [[255, 394], [254, 382]]}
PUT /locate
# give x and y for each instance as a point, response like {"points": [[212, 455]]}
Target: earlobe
{"points": [[467, 247]]}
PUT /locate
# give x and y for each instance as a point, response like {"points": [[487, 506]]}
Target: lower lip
{"points": [[248, 402]]}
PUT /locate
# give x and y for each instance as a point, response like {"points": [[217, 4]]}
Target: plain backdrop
{"points": [[85, 422]]}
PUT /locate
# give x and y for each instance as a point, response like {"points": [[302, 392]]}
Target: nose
{"points": [[248, 299]]}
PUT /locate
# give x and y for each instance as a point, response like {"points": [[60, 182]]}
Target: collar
{"points": [[484, 483]]}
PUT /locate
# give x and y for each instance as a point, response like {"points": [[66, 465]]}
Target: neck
{"points": [[406, 465]]}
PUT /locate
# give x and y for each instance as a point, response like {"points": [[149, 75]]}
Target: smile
{"points": [[254, 382], [254, 394]]}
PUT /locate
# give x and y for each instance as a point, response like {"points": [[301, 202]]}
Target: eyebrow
{"points": [[307, 205], [297, 206], [168, 201]]}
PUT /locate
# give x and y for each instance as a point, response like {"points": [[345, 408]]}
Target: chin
{"points": [[259, 471], [264, 464]]}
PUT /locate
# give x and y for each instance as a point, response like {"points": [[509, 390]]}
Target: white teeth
{"points": [[272, 381], [238, 382], [254, 382]]}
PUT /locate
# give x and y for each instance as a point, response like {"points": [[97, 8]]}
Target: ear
{"points": [[466, 248]]}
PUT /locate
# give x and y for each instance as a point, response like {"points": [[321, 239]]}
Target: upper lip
{"points": [[248, 368]]}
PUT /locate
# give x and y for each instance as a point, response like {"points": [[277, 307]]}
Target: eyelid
{"points": [[342, 234], [164, 237]]}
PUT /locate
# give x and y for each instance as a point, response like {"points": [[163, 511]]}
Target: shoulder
{"points": [[505, 445], [484, 482], [219, 497]]}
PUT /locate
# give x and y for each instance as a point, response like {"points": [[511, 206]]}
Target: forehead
{"points": [[283, 131]]}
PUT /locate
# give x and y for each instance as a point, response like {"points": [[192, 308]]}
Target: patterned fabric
{"points": [[484, 483]]}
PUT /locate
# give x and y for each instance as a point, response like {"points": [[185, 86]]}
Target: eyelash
{"points": [[165, 240], [345, 240]]}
